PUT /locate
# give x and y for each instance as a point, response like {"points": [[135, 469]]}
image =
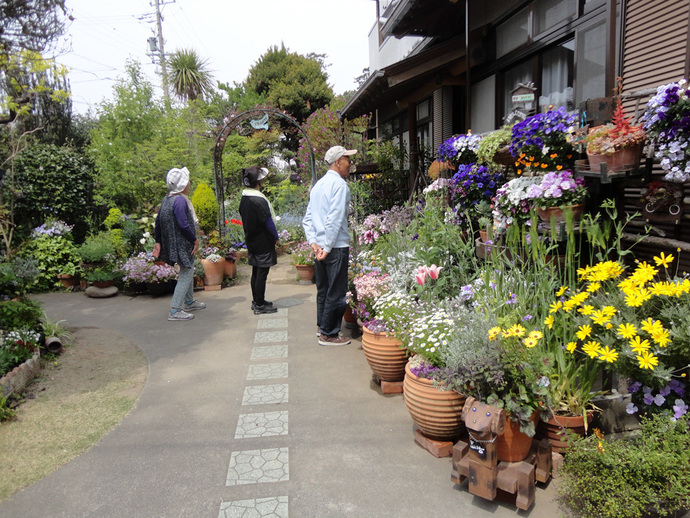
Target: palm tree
{"points": [[189, 74]]}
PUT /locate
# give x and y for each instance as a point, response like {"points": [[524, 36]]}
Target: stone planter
{"points": [[19, 378], [384, 355], [437, 413], [305, 272]]}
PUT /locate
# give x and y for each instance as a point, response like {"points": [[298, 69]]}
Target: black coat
{"points": [[261, 244]]}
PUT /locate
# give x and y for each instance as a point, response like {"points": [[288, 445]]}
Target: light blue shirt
{"points": [[325, 222]]}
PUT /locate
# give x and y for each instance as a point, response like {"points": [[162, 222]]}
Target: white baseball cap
{"points": [[336, 152]]}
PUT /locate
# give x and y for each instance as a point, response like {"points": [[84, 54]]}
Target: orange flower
{"points": [[553, 155], [559, 167], [544, 166]]}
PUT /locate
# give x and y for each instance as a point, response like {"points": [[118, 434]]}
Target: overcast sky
{"points": [[231, 34]]}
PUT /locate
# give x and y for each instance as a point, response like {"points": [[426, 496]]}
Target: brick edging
{"points": [[19, 378]]}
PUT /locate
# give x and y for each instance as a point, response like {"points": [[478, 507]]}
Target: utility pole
{"points": [[156, 45]]}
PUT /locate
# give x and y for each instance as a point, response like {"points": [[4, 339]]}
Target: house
{"points": [[443, 67]]}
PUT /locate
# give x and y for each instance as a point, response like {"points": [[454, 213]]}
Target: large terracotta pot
{"points": [[384, 354], [554, 429], [514, 445], [305, 272], [213, 272], [437, 413], [626, 158], [68, 281], [230, 269], [557, 214]]}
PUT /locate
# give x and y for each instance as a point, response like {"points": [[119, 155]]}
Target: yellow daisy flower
{"points": [[555, 306], [638, 345], [536, 334], [651, 326], [583, 332], [608, 355], [586, 310], [663, 260], [627, 331], [593, 286], [494, 332], [592, 349], [647, 360], [571, 347], [561, 291], [529, 342], [548, 322], [662, 337]]}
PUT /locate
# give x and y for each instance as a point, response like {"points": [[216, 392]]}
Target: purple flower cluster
{"points": [[55, 228], [472, 184], [558, 188], [460, 149], [141, 268], [668, 399], [542, 139], [425, 370], [667, 121]]}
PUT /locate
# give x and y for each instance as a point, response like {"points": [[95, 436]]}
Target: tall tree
{"points": [[31, 24], [189, 74], [291, 82]]}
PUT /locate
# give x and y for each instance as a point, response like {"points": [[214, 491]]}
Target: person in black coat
{"points": [[260, 235]]}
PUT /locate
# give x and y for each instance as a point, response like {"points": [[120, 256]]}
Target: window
{"points": [[548, 13], [591, 63], [513, 33], [484, 105], [557, 77]]}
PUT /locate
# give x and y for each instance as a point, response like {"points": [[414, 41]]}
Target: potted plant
{"points": [[142, 269], [472, 188], [541, 142], [556, 193], [494, 148], [102, 276], [512, 204], [56, 334], [665, 121], [618, 144], [302, 257], [199, 274], [214, 267], [96, 250], [460, 149]]}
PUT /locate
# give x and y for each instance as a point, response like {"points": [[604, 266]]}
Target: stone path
{"points": [[271, 462]]}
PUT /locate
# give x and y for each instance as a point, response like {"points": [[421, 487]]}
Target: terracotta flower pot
{"points": [[230, 269], [384, 355], [102, 284], [514, 445], [437, 413], [350, 319], [625, 158], [554, 429], [68, 281], [557, 214], [213, 272], [305, 272]]}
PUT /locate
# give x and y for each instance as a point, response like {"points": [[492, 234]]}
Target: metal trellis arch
{"points": [[261, 116]]}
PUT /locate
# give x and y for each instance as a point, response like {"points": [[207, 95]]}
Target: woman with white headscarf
{"points": [[176, 242]]}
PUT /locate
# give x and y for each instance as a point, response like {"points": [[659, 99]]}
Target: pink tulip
{"points": [[434, 270], [420, 277]]}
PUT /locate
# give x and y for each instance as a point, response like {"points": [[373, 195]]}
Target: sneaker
{"points": [[266, 303], [333, 340], [318, 331], [180, 315], [195, 304], [264, 310]]}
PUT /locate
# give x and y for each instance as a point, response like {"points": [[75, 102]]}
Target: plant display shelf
{"points": [[607, 176]]}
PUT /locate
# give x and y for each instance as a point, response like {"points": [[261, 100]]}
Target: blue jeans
{"points": [[184, 290], [331, 290]]}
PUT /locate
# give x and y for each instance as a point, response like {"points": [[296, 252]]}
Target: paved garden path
{"points": [[246, 416]]}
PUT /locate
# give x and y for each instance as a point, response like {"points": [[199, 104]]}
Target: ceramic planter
{"points": [[555, 429], [213, 272], [437, 413], [384, 355], [557, 214], [230, 270], [514, 445], [305, 272]]}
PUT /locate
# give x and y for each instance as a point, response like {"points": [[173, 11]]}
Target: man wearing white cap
{"points": [[176, 241], [325, 226]]}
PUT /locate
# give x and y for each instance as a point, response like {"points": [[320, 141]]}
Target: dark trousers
{"points": [[258, 284], [331, 290]]}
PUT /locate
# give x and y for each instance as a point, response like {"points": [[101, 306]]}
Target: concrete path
{"points": [[247, 416]]}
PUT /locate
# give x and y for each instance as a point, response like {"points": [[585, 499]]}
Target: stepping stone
{"points": [[101, 293]]}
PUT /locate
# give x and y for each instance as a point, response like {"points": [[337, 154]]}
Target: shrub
{"points": [[629, 478], [24, 313], [52, 255], [206, 207], [97, 248]]}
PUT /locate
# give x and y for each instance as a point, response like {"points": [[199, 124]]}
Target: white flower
{"points": [[147, 234], [142, 241]]}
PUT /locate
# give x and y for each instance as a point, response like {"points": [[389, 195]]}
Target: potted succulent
{"points": [[618, 145]]}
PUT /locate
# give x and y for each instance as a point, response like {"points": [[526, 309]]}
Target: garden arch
{"points": [[258, 118]]}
